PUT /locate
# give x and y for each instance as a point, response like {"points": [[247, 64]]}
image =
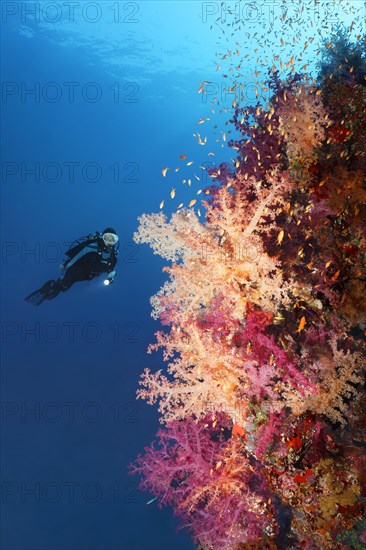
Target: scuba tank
{"points": [[79, 244], [82, 242]]}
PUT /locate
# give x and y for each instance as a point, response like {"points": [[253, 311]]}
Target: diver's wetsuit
{"points": [[86, 260]]}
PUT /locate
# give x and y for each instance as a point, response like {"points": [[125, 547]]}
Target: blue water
{"points": [[70, 369], [79, 370]]}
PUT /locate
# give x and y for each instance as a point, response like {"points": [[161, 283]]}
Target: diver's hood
{"points": [[110, 230]]}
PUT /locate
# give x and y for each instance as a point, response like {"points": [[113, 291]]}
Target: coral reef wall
{"points": [[264, 316]]}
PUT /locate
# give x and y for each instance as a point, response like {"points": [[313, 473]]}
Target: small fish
{"points": [[172, 193], [183, 157], [301, 324], [161, 204], [164, 171], [192, 202], [280, 236], [200, 142], [189, 163]]}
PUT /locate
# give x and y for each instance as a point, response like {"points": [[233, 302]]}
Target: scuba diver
{"points": [[88, 257]]}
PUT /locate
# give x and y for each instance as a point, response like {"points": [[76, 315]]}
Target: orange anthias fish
{"points": [[280, 236], [301, 324]]}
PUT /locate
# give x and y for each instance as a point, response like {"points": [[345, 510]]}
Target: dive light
{"points": [[109, 280]]}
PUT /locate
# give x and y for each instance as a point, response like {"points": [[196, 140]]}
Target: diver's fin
{"points": [[36, 298], [47, 292]]}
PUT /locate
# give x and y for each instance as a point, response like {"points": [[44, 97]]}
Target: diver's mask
{"points": [[110, 239]]}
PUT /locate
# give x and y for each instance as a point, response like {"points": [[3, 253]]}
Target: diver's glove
{"points": [[110, 279]]}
